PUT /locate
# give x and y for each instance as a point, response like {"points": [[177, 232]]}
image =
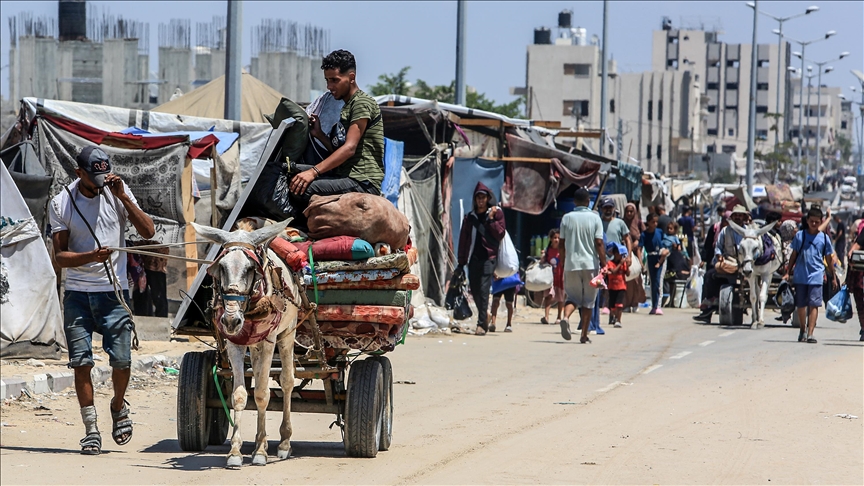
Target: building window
{"points": [[712, 132], [762, 86], [583, 108], [731, 132], [672, 40], [711, 149], [712, 108], [577, 70], [575, 108], [659, 151], [672, 63], [611, 148], [612, 105], [762, 63], [659, 114], [843, 125], [762, 134], [728, 149], [650, 114], [731, 85], [713, 86], [732, 64], [762, 109]]}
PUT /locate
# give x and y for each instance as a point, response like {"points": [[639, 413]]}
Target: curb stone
{"points": [[57, 381]]}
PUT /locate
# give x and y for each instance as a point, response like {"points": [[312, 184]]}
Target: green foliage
{"points": [[779, 163], [724, 177], [390, 83], [844, 145]]}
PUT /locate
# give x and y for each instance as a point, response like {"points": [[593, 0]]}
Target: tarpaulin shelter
{"points": [[31, 324], [208, 101], [250, 144]]}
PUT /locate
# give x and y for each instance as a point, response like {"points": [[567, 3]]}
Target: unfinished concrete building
{"points": [[209, 51], [175, 58], [287, 57]]}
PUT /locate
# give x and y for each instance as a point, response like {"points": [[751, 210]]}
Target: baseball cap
{"points": [[95, 162], [607, 202]]}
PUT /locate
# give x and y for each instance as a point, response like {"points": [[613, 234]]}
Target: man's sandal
{"points": [[122, 424], [91, 445]]}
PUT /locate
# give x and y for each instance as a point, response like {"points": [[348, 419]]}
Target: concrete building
{"points": [[823, 116], [657, 110], [724, 71], [287, 57]]}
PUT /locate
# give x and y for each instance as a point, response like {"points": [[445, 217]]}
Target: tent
{"points": [[32, 325], [250, 144], [208, 101]]}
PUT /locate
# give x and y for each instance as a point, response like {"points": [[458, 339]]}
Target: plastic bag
{"points": [[456, 300], [839, 308], [634, 269], [508, 259], [694, 287], [538, 277], [599, 282]]}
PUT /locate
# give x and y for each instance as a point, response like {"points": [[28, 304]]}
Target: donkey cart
{"points": [[363, 405]]}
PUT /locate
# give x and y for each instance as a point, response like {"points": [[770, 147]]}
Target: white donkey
{"points": [[249, 279], [750, 250]]}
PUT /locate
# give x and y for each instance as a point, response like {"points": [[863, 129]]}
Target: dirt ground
{"points": [[662, 400]]}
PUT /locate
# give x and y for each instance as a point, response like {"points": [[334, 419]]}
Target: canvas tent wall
{"points": [[251, 143], [208, 101], [31, 324]]}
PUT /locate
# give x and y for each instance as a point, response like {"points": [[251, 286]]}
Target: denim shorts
{"points": [[808, 295], [87, 312]]}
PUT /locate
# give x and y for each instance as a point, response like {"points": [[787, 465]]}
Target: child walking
{"points": [[552, 256], [616, 280]]}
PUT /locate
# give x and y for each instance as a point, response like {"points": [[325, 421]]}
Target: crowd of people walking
{"points": [[602, 261]]}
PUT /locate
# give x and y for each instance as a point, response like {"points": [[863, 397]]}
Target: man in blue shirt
{"points": [[807, 265], [687, 223]]}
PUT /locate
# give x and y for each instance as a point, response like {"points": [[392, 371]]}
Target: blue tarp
{"points": [[226, 139], [393, 155], [466, 174]]}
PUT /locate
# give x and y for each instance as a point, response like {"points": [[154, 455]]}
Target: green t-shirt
{"points": [[367, 163]]}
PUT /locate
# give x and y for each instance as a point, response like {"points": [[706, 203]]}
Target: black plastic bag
{"points": [[456, 299]]}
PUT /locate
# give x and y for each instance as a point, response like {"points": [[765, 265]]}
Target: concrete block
{"points": [[11, 387], [153, 328], [100, 374], [143, 365], [38, 384], [60, 380]]}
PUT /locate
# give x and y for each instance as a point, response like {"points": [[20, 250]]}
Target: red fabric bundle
{"points": [[402, 282], [290, 254], [335, 248], [382, 314]]}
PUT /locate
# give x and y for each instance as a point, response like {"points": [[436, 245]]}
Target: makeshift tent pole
{"points": [[233, 60], [600, 192], [214, 217]]}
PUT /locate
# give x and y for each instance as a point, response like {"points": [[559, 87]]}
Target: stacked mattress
{"points": [[363, 304]]}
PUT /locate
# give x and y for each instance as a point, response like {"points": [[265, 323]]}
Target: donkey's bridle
{"points": [[250, 252]]}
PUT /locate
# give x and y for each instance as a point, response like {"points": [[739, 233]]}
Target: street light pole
{"points": [[779, 32], [804, 45], [809, 92], [751, 131], [461, 12], [603, 79], [233, 61]]}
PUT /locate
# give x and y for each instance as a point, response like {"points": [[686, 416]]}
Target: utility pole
{"points": [[807, 161], [619, 140], [461, 6], [819, 126], [751, 132], [604, 78], [233, 65]]}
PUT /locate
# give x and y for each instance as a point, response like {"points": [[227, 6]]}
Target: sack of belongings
{"points": [[372, 218]]}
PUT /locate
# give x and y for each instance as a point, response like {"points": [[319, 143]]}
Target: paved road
{"points": [[662, 400]]}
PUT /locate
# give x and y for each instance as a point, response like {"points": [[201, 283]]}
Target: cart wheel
{"points": [[193, 420], [387, 425], [731, 314], [363, 408]]}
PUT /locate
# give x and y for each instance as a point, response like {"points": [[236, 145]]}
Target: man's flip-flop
{"points": [[565, 329], [91, 445], [122, 425], [543, 320], [811, 340]]}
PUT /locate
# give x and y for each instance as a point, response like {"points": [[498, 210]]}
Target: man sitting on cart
{"points": [[356, 143], [725, 256]]}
